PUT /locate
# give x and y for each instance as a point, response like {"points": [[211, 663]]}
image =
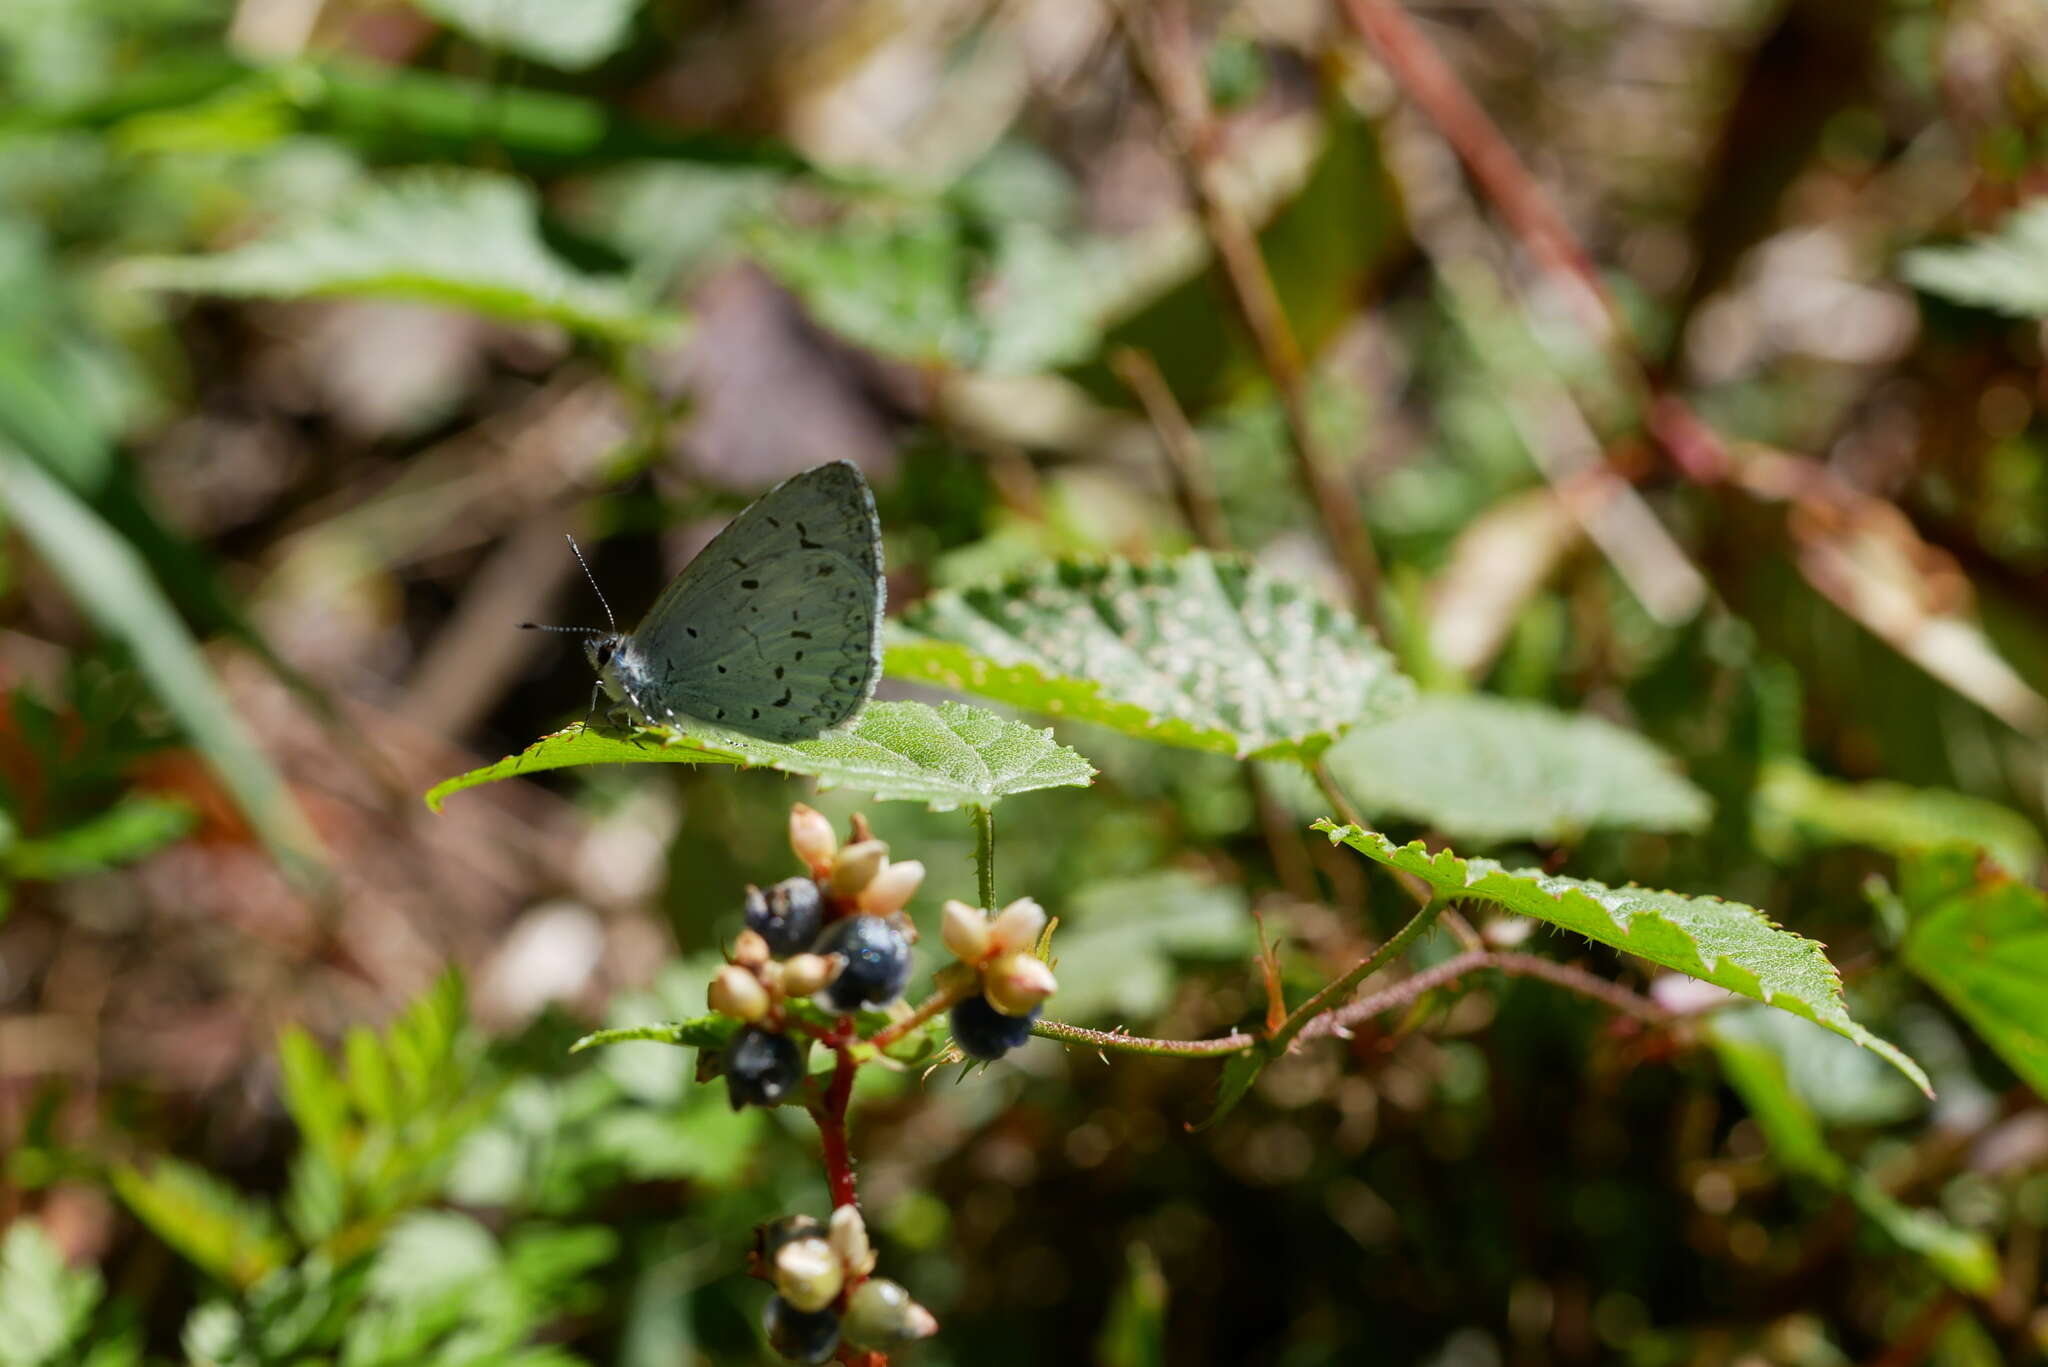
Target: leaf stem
{"points": [[1363, 969], [1236, 1042], [985, 855]]}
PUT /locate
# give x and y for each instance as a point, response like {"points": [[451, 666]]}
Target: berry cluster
{"points": [[1002, 953], [824, 1291], [838, 935]]}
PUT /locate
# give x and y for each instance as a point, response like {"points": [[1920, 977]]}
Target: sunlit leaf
{"points": [[114, 588], [1208, 653], [1485, 770], [46, 1308], [570, 36], [466, 240], [2005, 270], [231, 1239], [1979, 937], [1725, 943], [946, 756]]}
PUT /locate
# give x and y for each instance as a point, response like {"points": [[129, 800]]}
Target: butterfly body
{"points": [[775, 629]]}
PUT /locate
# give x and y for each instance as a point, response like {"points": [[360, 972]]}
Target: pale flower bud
{"points": [[857, 866], [965, 931], [892, 888], [880, 1315], [807, 973], [810, 835], [849, 1239], [737, 993], [808, 1274], [750, 950], [1016, 983], [1017, 929]]}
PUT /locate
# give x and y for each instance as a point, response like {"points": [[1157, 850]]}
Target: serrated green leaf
{"points": [[114, 588], [232, 1239], [313, 1093], [466, 240], [1486, 770], [705, 1032], [945, 756], [1979, 937], [1212, 654], [568, 36], [1118, 941], [2005, 270], [1794, 804], [45, 1306], [1725, 943]]}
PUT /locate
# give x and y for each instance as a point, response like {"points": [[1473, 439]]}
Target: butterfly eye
{"points": [[604, 652]]}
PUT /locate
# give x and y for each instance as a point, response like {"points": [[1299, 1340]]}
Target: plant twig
{"points": [[1193, 485], [1163, 46], [945, 999], [1234, 1043], [831, 1117], [985, 855], [1359, 972], [1515, 965]]}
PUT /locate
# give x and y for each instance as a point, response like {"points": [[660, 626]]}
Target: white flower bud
{"points": [[1018, 928], [807, 973], [892, 888], [965, 931], [737, 993], [857, 866], [849, 1239], [750, 950], [880, 1315], [808, 1274], [810, 835], [1016, 983]]}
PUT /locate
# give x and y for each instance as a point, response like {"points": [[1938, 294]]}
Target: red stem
{"points": [[831, 1117]]}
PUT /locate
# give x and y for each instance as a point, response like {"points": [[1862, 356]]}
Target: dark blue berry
{"points": [[983, 1032], [761, 1067], [798, 1336], [787, 916], [877, 963]]}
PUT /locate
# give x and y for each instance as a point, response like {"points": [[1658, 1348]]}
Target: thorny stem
{"points": [[985, 854], [1363, 969], [1342, 804], [1234, 1043]]}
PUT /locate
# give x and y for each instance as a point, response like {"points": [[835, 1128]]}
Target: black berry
{"points": [[877, 963], [983, 1032], [761, 1068], [798, 1336], [787, 916]]}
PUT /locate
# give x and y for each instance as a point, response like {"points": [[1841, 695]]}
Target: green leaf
{"points": [[1757, 1069], [569, 36], [705, 1032], [1134, 1332], [1728, 944], [135, 826], [45, 1307], [1118, 941], [1487, 770], [1794, 804], [465, 240], [233, 1240], [114, 589], [946, 756], [1212, 654], [1240, 1071], [2006, 270], [1979, 937], [313, 1093]]}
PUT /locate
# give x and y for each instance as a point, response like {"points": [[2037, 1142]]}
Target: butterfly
{"points": [[774, 630]]}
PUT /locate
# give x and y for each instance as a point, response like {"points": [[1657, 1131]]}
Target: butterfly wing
{"points": [[775, 629]]}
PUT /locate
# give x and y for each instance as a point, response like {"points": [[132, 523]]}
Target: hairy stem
{"points": [[944, 999], [985, 854], [831, 1117], [1363, 969], [1234, 1043]]}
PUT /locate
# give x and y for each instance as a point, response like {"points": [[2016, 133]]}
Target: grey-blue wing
{"points": [[776, 627]]}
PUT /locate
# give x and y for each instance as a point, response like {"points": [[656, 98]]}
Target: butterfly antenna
{"points": [[593, 583]]}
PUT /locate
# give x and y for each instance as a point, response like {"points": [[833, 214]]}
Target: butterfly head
{"points": [[602, 649]]}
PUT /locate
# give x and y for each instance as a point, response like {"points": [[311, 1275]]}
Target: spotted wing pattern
{"points": [[775, 629]]}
